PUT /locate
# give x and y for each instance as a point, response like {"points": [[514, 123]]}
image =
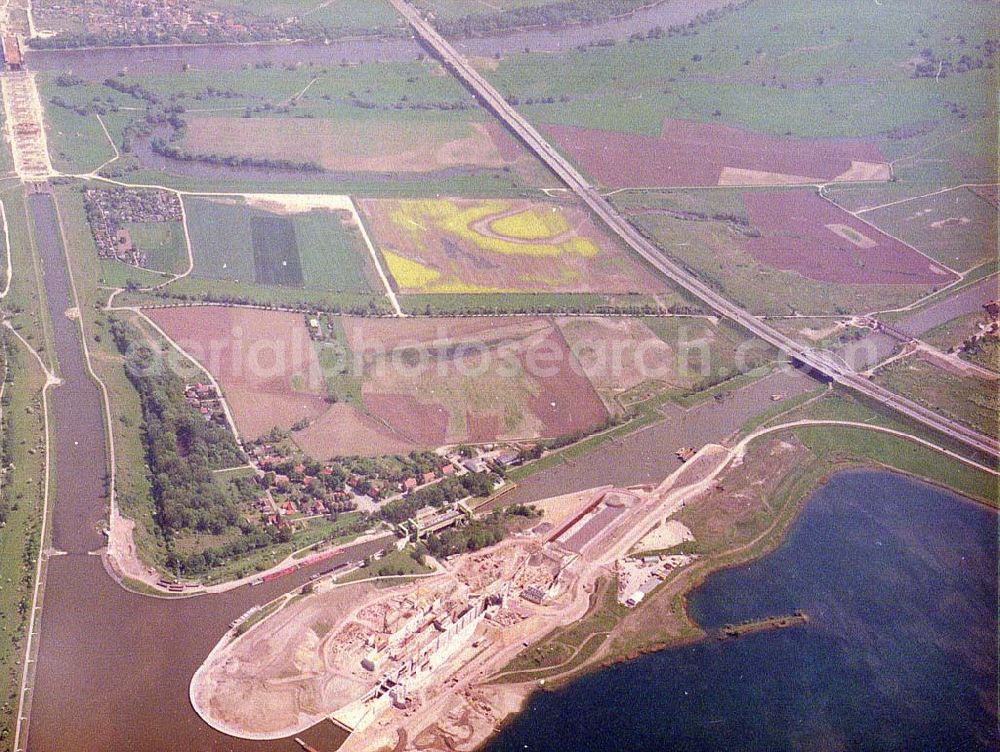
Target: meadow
{"points": [[777, 66], [958, 228], [162, 243], [967, 399], [317, 249]]}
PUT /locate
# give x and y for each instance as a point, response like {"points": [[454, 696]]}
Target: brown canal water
{"points": [[647, 456], [113, 666]]}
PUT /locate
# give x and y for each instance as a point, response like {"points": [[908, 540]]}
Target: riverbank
{"points": [[787, 475], [872, 558]]}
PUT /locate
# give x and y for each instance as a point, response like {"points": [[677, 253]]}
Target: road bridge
{"points": [[801, 355]]}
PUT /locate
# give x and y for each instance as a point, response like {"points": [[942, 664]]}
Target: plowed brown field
{"points": [[263, 360], [804, 233], [702, 154]]}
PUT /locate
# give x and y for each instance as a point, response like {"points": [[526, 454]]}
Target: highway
{"points": [[820, 362]]}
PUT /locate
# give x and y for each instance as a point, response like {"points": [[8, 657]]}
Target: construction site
{"points": [[376, 661], [25, 130]]}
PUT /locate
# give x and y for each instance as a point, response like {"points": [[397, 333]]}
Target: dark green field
{"points": [[275, 252], [315, 250]]}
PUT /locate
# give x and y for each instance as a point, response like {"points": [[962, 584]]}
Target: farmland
{"points": [[331, 126], [794, 263], [316, 245], [451, 246], [264, 362], [958, 228], [421, 382], [351, 145], [696, 154], [449, 381], [628, 360], [799, 234]]}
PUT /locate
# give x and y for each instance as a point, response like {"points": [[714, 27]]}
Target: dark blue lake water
{"points": [[899, 580]]}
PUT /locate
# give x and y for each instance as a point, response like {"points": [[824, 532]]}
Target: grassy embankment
{"points": [[394, 564], [662, 619], [953, 333], [23, 454], [21, 499], [970, 400], [132, 482]]}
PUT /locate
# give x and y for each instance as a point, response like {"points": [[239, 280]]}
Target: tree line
{"points": [[182, 448]]}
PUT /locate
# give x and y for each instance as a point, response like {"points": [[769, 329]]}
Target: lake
{"points": [[899, 579]]}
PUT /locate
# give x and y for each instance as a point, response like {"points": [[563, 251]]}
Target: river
{"points": [[899, 581], [99, 63]]}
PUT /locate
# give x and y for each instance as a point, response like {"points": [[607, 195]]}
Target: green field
{"points": [[116, 274], [952, 333], [200, 290], [315, 250], [21, 497], [812, 69], [340, 18], [465, 18], [544, 302], [25, 303], [967, 399], [162, 242], [77, 143], [795, 68], [957, 228]]}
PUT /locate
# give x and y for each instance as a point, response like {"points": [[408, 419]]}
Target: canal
{"points": [[113, 666]]}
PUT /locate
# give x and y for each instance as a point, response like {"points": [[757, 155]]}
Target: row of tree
{"points": [[182, 448], [437, 495]]}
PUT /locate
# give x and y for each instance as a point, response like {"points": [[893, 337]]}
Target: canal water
{"points": [[114, 667], [899, 580]]}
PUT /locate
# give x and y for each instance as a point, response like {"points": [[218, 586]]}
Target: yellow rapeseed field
{"points": [[532, 224], [408, 273], [413, 217], [412, 276]]}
